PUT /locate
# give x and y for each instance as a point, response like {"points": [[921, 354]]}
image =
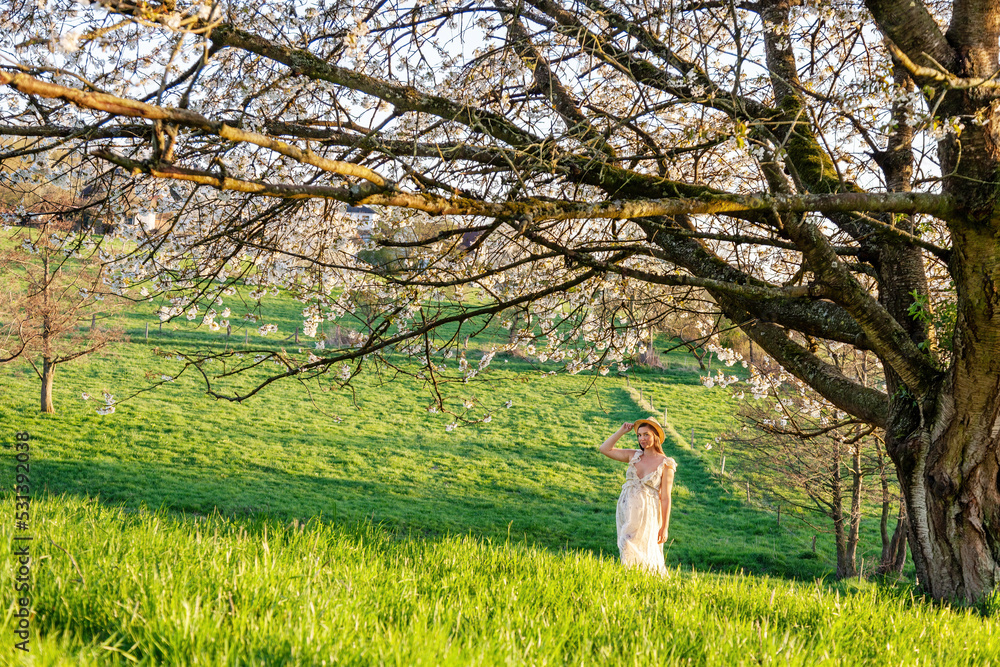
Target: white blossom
{"points": [[69, 42]]}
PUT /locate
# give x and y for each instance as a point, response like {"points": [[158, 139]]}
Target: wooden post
{"points": [[723, 464], [246, 340], [93, 321], [296, 335], [161, 326], [814, 543], [748, 490], [147, 331], [779, 516]]}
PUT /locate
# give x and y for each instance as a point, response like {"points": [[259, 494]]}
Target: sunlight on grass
{"points": [[138, 587]]}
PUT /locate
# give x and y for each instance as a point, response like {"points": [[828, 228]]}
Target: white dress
{"points": [[638, 516]]}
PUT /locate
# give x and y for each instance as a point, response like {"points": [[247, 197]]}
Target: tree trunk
{"points": [[893, 557], [856, 480], [48, 372], [513, 328], [845, 559], [899, 541], [883, 524], [946, 447], [894, 550], [48, 367]]}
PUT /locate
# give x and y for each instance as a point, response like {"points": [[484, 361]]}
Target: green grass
{"points": [[126, 587], [490, 543]]}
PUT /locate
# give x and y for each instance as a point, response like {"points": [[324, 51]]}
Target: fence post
{"points": [[723, 464], [748, 490], [779, 516], [296, 335]]}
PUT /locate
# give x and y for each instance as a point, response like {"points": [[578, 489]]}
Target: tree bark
{"points": [[48, 367], [883, 524], [949, 476]]}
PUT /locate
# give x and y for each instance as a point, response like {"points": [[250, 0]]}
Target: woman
{"points": [[643, 516]]}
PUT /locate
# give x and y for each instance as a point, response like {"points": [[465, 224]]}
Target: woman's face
{"points": [[645, 435]]}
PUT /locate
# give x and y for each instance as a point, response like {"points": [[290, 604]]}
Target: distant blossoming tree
{"points": [[54, 302]]}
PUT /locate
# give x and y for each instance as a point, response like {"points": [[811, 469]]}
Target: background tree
{"points": [[803, 453], [55, 301], [818, 171]]}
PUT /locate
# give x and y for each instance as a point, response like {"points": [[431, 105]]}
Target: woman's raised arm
{"points": [[608, 446]]}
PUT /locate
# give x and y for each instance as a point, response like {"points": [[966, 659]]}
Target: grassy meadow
{"points": [[312, 526]]}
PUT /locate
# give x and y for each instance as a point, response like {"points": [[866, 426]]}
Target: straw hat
{"points": [[652, 423]]}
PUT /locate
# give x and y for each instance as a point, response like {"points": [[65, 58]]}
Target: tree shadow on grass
{"points": [[415, 511]]}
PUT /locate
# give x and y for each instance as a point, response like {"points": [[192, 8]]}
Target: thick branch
{"points": [[912, 28], [940, 77], [85, 133], [536, 209], [120, 106], [552, 88], [797, 308]]}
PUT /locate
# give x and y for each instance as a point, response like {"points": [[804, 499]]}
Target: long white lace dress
{"points": [[638, 517]]}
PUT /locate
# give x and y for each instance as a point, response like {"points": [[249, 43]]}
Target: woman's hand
{"points": [[608, 446], [662, 537]]}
